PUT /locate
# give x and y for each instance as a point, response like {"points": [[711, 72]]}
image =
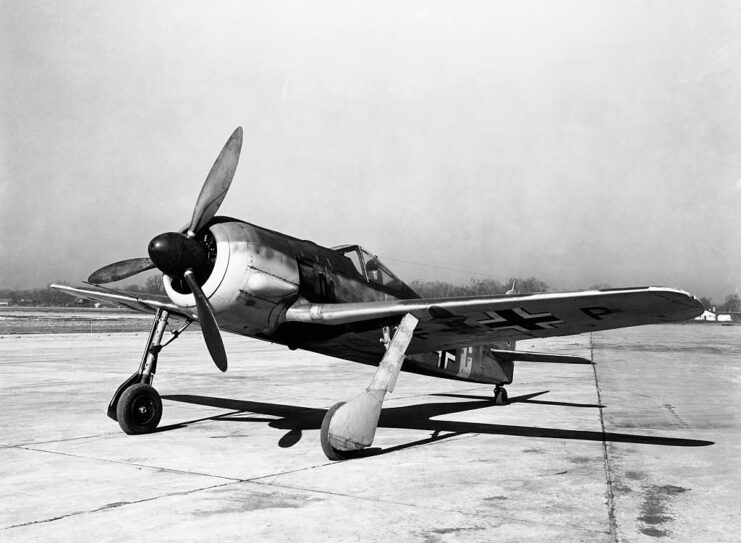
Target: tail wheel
{"points": [[139, 409], [500, 396]]}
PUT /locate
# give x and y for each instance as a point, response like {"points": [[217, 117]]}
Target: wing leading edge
{"points": [[148, 303], [461, 321]]}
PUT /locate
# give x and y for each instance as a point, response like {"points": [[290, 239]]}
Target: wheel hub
{"points": [[143, 410]]}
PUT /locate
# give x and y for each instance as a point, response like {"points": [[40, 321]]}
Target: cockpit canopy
{"points": [[370, 267]]}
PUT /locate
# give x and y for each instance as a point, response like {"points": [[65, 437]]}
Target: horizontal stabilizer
{"points": [[526, 356]]}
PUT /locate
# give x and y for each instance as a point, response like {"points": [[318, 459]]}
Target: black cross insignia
{"points": [[519, 319]]}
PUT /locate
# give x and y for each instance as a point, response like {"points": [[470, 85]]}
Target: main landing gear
{"points": [[500, 395], [349, 427], [136, 405]]}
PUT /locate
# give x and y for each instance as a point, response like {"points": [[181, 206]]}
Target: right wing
{"points": [[146, 303]]}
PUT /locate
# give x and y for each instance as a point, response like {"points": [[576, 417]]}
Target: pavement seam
{"points": [[473, 514], [498, 520], [262, 482], [614, 536], [116, 505], [30, 443], [119, 462]]}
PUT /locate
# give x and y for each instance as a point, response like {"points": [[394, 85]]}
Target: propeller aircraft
{"points": [[231, 275]]}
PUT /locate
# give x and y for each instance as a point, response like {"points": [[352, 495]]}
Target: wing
{"points": [[447, 323], [146, 303]]}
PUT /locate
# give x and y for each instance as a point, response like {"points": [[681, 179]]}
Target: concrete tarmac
{"points": [[642, 446]]}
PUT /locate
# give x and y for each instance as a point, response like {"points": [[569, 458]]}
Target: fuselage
{"points": [[258, 273]]}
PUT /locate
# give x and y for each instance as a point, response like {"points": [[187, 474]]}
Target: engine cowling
{"points": [[250, 276]]}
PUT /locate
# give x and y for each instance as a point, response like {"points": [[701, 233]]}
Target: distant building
{"points": [[707, 316], [4, 302], [725, 318]]}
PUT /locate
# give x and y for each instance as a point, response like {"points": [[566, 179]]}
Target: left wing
{"points": [[446, 323]]}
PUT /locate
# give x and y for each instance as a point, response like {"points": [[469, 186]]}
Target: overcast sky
{"points": [[579, 142]]}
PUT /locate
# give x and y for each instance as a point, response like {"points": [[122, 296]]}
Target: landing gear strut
{"points": [[136, 405], [349, 427], [500, 395]]}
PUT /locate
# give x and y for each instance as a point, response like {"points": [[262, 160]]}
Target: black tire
{"points": [[139, 409], [500, 396], [329, 451]]}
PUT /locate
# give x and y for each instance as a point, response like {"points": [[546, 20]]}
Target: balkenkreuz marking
{"points": [[421, 334], [519, 319]]}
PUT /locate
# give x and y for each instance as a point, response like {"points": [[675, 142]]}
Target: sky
{"points": [[580, 142]]}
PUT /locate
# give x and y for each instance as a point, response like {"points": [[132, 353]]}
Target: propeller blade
{"points": [[217, 183], [120, 270], [208, 322]]}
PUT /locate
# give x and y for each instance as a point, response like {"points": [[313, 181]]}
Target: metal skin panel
{"points": [[473, 363]]}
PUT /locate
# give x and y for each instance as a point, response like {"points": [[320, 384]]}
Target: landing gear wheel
{"points": [[500, 396], [329, 450], [139, 409]]}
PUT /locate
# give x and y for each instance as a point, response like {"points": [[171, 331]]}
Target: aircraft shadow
{"points": [[522, 399], [296, 419]]}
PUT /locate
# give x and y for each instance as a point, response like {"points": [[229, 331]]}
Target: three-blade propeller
{"points": [[180, 255], [120, 270]]}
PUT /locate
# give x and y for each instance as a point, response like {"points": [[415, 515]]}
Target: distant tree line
{"points": [[732, 304], [153, 285], [47, 296], [476, 287], [35, 296]]}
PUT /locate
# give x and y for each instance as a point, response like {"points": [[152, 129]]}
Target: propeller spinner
{"points": [[180, 255]]}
